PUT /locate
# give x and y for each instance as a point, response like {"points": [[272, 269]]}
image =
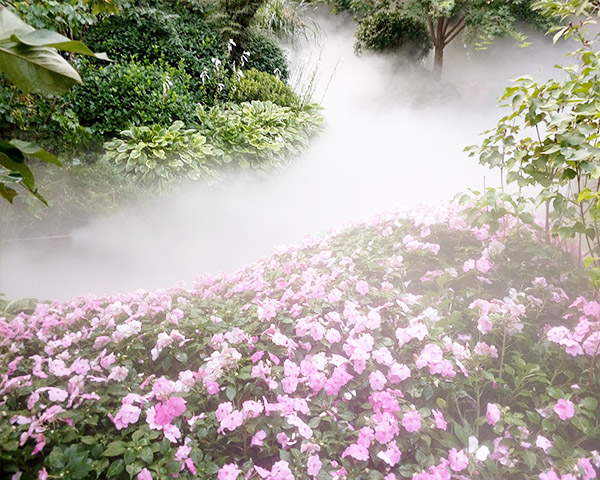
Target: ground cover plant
{"points": [[406, 346]]}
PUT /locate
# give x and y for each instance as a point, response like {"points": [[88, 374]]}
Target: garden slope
{"points": [[409, 346]]}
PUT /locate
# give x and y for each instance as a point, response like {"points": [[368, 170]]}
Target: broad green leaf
{"points": [[37, 69], [30, 148]]}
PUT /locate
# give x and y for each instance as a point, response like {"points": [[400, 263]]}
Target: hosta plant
{"points": [[158, 155], [259, 133], [405, 347]]}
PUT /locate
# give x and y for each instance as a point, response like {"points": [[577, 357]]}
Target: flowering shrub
{"points": [[411, 346]]}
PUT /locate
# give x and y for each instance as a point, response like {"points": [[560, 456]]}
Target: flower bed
{"points": [[408, 346]]}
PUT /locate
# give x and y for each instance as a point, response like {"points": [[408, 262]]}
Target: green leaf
{"points": [[31, 149], [114, 449], [589, 403], [530, 459]]}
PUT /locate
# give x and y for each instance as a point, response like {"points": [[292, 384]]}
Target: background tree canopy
{"points": [[416, 26]]}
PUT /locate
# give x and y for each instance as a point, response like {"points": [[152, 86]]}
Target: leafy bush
{"points": [[115, 97], [265, 54], [411, 346], [256, 85], [393, 29], [256, 133], [155, 34], [158, 155]]}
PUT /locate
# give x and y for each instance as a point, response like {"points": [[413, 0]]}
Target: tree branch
{"points": [[430, 25], [455, 31]]}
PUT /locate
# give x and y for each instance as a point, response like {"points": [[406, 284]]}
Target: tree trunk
{"points": [[438, 60]]}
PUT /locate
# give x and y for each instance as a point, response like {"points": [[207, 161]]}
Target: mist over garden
{"points": [[241, 240]]}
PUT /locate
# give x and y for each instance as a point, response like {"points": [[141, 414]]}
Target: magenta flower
{"points": [[229, 471], [144, 475], [411, 421], [458, 460], [564, 409], [492, 414]]}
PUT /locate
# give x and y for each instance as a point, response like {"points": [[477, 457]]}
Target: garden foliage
{"points": [[549, 141], [256, 85], [158, 155], [259, 134], [410, 346], [147, 93]]}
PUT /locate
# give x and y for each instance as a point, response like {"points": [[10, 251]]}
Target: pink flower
{"points": [[392, 455], [313, 466], [229, 471], [564, 409], [543, 443], [411, 421], [551, 475], [211, 387], [492, 414], [144, 475], [362, 287], [333, 336], [126, 415], [377, 380], [398, 372], [588, 470], [232, 421], [356, 451], [43, 474], [258, 438], [458, 460], [165, 413], [440, 421]]}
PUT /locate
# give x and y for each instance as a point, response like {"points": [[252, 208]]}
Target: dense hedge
{"points": [[116, 96]]}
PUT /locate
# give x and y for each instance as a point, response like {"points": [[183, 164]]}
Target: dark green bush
{"points": [[112, 98], [256, 85], [265, 54], [46, 120], [152, 34], [390, 30]]}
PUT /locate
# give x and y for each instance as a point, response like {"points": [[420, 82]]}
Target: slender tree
{"points": [[478, 22]]}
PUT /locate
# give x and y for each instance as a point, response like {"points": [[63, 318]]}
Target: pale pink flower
{"points": [[392, 455], [126, 415], [492, 414], [458, 460], [356, 451], [232, 421], [258, 438], [398, 372], [362, 287], [144, 475], [411, 421], [377, 380], [543, 443], [313, 466], [440, 421], [229, 471], [564, 409], [43, 474], [588, 470], [211, 387], [333, 336]]}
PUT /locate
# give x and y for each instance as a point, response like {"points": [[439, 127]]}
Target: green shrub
{"points": [[389, 30], [258, 133], [265, 54], [153, 34], [114, 97], [256, 85], [45, 119], [157, 155]]}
